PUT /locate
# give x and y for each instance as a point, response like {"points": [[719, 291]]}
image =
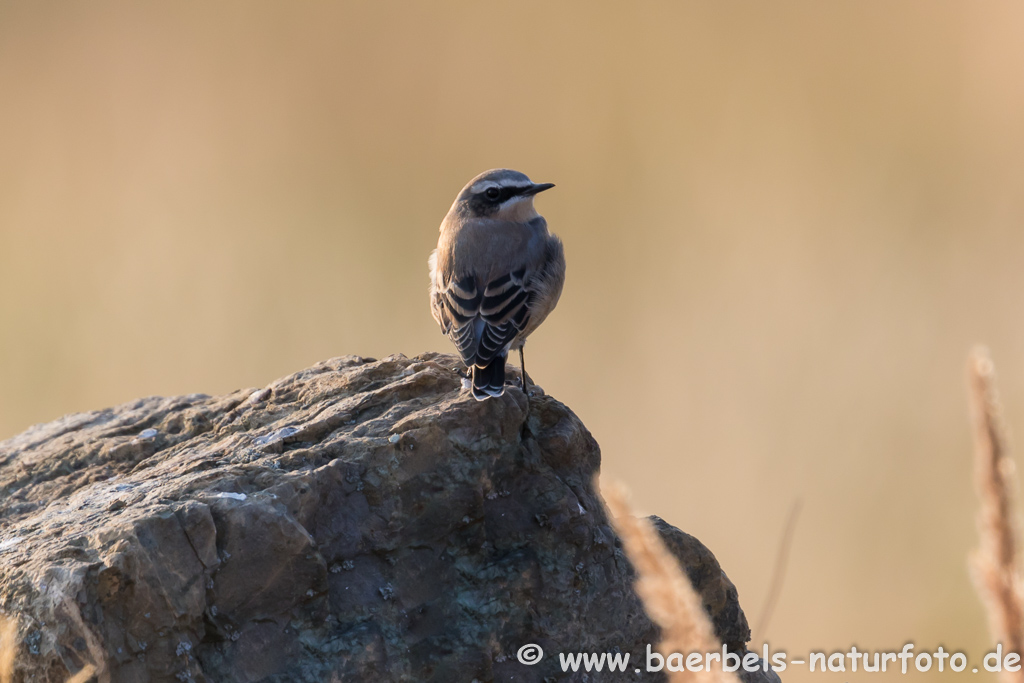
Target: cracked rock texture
{"points": [[360, 520]]}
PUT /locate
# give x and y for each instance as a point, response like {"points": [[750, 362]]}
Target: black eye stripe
{"points": [[504, 193], [482, 205]]}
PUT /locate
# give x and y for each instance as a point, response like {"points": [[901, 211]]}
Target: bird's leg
{"points": [[526, 392], [522, 371]]}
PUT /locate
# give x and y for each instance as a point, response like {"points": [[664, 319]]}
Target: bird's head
{"points": [[500, 194]]}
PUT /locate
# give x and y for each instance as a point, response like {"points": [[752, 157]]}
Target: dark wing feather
{"points": [[483, 322]]}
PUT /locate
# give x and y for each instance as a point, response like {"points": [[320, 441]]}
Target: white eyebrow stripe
{"points": [[486, 185], [483, 186]]}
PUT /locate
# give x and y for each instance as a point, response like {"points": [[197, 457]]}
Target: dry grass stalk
{"points": [[8, 648], [9, 651], [994, 564], [84, 675], [778, 572], [666, 592], [99, 669]]}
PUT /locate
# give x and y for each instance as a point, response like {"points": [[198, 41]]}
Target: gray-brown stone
{"points": [[360, 520]]}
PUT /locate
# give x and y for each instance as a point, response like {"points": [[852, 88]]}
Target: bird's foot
{"points": [[532, 389]]}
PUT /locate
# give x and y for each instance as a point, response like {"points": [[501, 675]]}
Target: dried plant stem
{"points": [[666, 592], [779, 571], [83, 675], [994, 563], [8, 648], [98, 668]]}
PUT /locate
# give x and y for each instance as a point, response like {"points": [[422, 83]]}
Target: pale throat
{"points": [[517, 210]]}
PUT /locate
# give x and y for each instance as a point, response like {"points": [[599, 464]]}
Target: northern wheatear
{"points": [[496, 274]]}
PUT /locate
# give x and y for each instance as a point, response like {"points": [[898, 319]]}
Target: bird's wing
{"points": [[483, 320]]}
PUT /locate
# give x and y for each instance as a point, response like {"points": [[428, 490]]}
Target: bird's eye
{"points": [[492, 193]]}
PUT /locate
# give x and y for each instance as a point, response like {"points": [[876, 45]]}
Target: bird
{"points": [[495, 275]]}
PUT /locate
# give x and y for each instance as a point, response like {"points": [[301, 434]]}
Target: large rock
{"points": [[361, 520]]}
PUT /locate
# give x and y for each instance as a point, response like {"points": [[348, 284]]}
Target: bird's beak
{"points": [[537, 187]]}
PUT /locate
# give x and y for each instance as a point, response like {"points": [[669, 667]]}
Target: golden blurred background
{"points": [[785, 222]]}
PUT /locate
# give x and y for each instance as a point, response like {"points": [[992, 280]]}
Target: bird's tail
{"points": [[489, 380]]}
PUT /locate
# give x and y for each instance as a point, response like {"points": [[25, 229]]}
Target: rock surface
{"points": [[358, 521]]}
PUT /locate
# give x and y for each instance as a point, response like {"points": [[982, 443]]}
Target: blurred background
{"points": [[786, 223]]}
